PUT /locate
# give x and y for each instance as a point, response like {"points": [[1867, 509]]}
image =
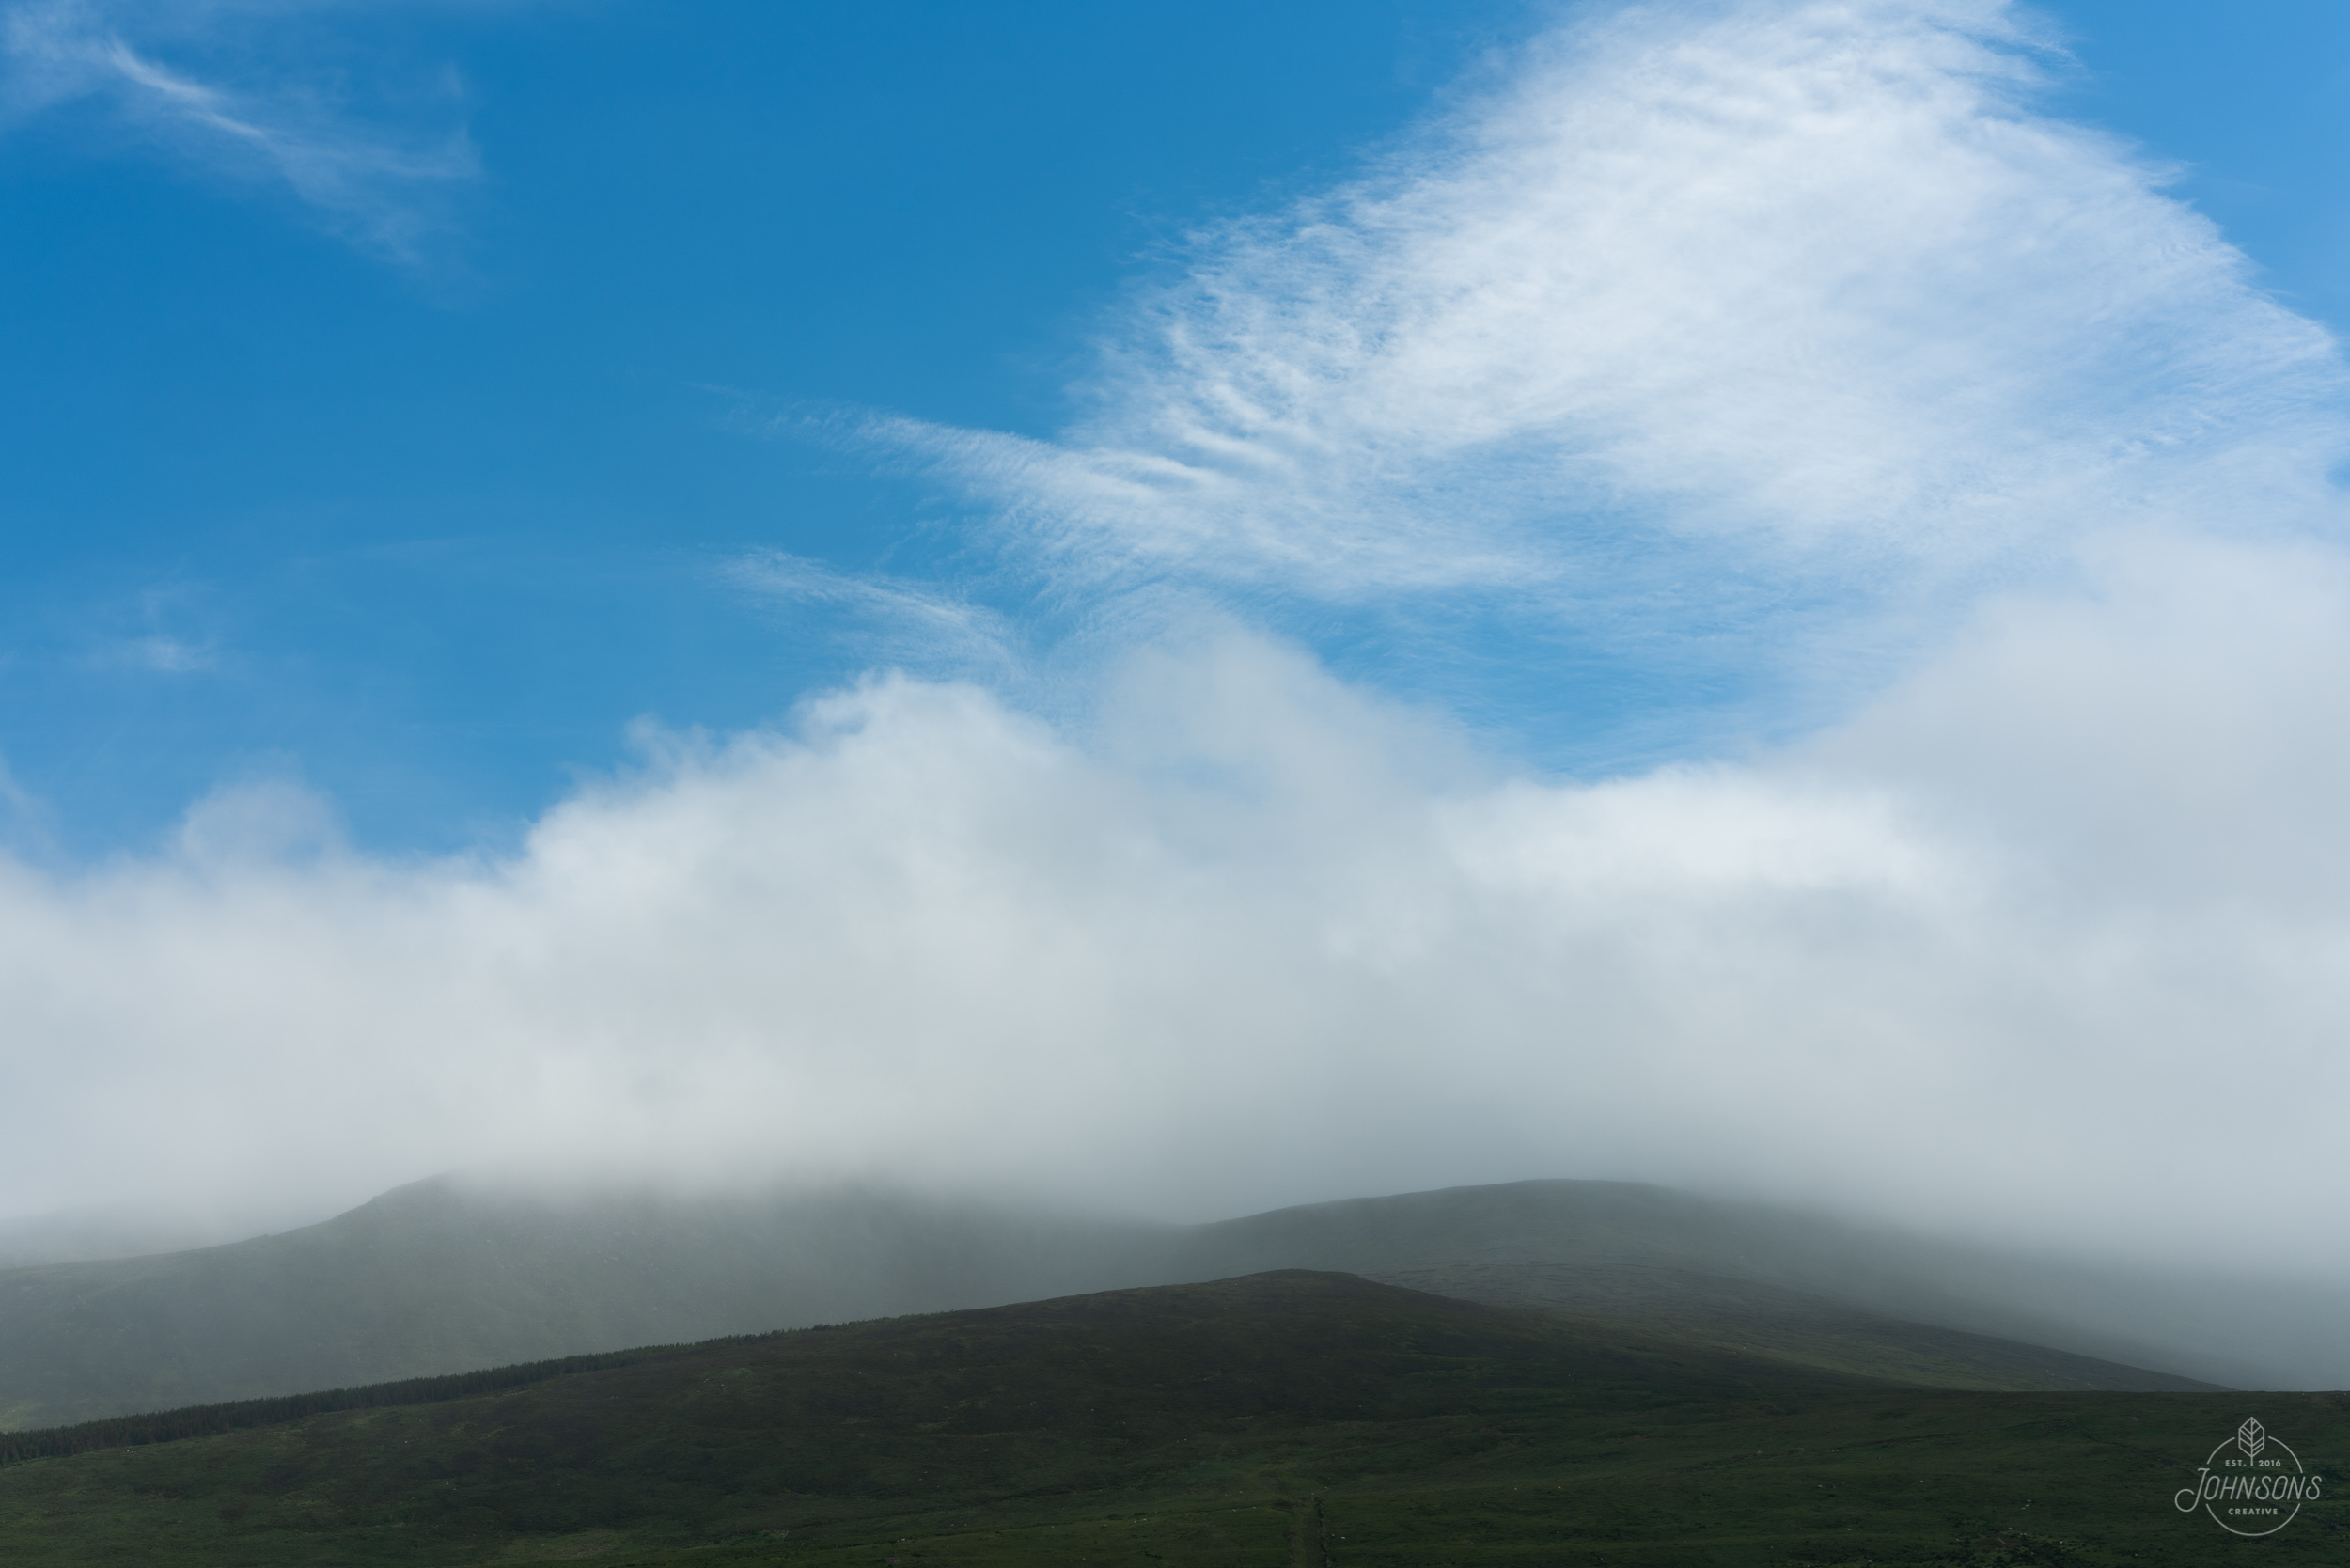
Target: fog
{"points": [[1790, 328]]}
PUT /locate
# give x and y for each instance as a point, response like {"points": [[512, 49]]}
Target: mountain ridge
{"points": [[440, 1278]]}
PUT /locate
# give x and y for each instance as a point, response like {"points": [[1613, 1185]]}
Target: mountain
{"points": [[445, 1276], [1281, 1418], [1579, 1245]]}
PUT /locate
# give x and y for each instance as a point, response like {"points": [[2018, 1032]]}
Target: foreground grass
{"points": [[1282, 1419], [1947, 1479]]}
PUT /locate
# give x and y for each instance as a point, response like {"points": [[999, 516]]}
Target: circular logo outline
{"points": [[2252, 1439]]}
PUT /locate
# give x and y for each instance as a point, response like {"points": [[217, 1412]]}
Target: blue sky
{"points": [[427, 521], [431, 531]]}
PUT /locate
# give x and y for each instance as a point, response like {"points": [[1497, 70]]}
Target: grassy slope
{"points": [[1290, 1418]]}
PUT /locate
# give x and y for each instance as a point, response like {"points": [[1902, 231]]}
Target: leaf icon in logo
{"points": [[2250, 1438]]}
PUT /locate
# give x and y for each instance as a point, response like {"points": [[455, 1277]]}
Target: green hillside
{"points": [[443, 1276], [1280, 1419]]}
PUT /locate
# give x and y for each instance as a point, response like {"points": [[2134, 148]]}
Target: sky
{"points": [[1191, 609]]}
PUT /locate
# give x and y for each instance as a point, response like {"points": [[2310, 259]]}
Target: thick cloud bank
{"points": [[1770, 308], [1254, 944]]}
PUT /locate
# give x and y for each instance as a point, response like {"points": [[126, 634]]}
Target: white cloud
{"points": [[1266, 939], [378, 182]]}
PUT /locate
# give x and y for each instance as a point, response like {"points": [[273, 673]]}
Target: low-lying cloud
{"points": [[1770, 311], [1264, 939]]}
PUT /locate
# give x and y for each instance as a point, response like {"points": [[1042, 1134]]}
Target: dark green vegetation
{"points": [[209, 1420], [1277, 1419], [441, 1278]]}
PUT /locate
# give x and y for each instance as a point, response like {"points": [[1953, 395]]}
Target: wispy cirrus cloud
{"points": [[163, 655], [1772, 318], [914, 623], [225, 88]]}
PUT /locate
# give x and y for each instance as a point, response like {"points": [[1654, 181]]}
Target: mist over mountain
{"points": [[1640, 1251], [450, 1275], [74, 1235], [446, 1276]]}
